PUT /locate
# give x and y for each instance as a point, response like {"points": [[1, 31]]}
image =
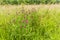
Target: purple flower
{"points": [[26, 21]]}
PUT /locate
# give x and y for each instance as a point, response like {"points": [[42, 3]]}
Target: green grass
{"points": [[18, 23]]}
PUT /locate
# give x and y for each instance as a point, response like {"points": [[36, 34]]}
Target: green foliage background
{"points": [[29, 1]]}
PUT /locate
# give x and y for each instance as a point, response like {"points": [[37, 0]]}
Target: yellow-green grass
{"points": [[30, 22]]}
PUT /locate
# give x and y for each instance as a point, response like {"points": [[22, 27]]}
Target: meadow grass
{"points": [[30, 22]]}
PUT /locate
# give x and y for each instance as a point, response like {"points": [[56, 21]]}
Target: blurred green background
{"points": [[29, 1]]}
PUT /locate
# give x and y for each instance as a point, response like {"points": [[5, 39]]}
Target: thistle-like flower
{"points": [[26, 21]]}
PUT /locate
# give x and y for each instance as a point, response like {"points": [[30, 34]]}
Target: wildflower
{"points": [[26, 21], [24, 26], [25, 16]]}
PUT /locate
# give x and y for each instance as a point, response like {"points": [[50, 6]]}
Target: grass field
{"points": [[30, 22]]}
